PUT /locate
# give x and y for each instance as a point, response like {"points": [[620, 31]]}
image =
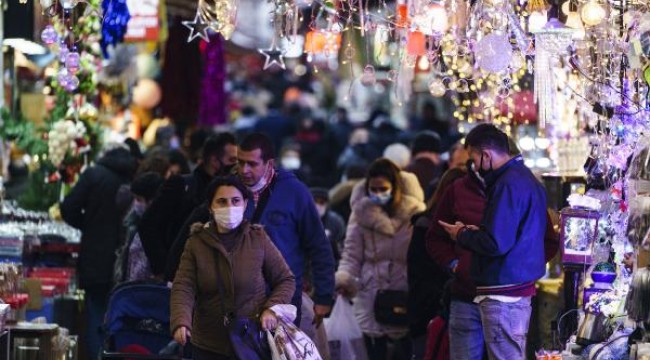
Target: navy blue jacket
{"points": [[509, 247], [292, 222]]}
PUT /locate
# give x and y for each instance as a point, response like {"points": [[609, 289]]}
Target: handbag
{"points": [[390, 306], [246, 336]]}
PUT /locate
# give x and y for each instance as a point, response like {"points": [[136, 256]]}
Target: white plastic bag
{"points": [[288, 342], [343, 333]]}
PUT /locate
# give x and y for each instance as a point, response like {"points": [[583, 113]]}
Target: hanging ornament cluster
{"points": [[116, 17], [66, 137], [219, 15]]}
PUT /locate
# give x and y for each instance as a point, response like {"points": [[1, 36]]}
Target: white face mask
{"points": [[321, 209], [261, 183], [291, 162], [229, 217]]}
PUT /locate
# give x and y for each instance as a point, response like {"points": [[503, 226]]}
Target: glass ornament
{"points": [[437, 88], [72, 84], [63, 53], [73, 62], [433, 19], [49, 35], [493, 52], [62, 77]]}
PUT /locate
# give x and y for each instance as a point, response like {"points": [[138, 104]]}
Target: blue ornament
{"points": [[116, 16]]}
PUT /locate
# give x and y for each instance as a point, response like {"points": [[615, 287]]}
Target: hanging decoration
{"points": [[274, 55], [116, 17], [219, 15], [197, 27], [550, 42]]}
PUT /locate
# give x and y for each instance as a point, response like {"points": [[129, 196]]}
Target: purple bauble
{"points": [[49, 35], [63, 77], [72, 62], [73, 83], [63, 53]]}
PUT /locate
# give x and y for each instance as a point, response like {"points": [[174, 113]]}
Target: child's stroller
{"points": [[136, 325]]}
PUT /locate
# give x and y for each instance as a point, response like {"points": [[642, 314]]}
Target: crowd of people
{"points": [[387, 219]]}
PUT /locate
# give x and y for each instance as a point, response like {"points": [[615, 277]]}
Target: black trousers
{"points": [[378, 348], [200, 354]]}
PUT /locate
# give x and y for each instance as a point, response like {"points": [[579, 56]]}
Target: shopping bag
{"points": [[343, 333], [288, 341]]}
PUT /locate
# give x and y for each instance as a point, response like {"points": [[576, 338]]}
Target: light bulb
{"points": [[537, 20], [573, 20], [592, 13]]}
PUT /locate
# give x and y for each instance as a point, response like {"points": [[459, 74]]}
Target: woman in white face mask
{"points": [[222, 277], [373, 264]]}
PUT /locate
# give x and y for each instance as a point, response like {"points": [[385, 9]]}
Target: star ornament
{"points": [[274, 56], [197, 27]]}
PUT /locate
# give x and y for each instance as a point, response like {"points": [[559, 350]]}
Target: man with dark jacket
{"points": [[91, 208], [507, 249], [163, 220], [426, 163], [285, 207]]}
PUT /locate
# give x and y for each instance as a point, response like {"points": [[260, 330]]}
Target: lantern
{"points": [[579, 231]]}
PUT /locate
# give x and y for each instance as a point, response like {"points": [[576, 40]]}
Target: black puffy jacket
{"points": [[91, 208]]}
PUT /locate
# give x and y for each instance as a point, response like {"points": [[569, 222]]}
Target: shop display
{"points": [[578, 232]]}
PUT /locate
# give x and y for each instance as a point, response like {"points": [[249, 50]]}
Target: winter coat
{"points": [[166, 214], [245, 272], [509, 247], [374, 256], [292, 222], [91, 208]]}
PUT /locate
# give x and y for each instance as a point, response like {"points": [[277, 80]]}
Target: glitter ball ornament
{"points": [[592, 13], [368, 78], [63, 53], [63, 77], [49, 35], [437, 88], [493, 52], [73, 83], [72, 62]]}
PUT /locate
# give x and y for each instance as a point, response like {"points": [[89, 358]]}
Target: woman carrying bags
{"points": [[373, 263], [218, 297]]}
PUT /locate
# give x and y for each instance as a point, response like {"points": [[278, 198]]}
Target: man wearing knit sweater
{"points": [[508, 247]]}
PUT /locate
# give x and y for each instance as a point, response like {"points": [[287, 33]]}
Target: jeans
{"points": [[96, 300], [505, 326], [465, 331]]}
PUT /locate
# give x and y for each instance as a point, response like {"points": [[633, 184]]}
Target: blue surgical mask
{"points": [[381, 198]]}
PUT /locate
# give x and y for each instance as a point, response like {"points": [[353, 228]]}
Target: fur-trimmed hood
{"points": [[374, 217]]}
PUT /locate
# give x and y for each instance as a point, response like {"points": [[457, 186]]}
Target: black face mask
{"points": [[482, 172], [226, 169]]}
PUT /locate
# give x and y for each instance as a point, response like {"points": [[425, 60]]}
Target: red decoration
{"points": [[416, 43], [523, 109]]}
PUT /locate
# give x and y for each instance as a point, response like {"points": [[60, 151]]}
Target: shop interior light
{"points": [[592, 13]]}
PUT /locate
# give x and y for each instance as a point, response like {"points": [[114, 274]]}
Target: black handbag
{"points": [[391, 307]]}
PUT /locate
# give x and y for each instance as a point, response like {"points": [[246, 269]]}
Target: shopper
{"points": [[229, 251], [426, 163], [374, 256], [508, 247], [425, 278], [285, 207], [91, 208], [333, 223], [132, 261], [179, 195]]}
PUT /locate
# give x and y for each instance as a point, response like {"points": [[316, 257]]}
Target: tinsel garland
{"points": [[213, 101]]}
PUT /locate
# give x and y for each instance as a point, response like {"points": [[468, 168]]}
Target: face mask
{"points": [[321, 209], [227, 169], [261, 183], [139, 207], [482, 172], [381, 198], [228, 217], [290, 163]]}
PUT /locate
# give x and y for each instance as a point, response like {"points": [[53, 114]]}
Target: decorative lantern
{"points": [[579, 231]]}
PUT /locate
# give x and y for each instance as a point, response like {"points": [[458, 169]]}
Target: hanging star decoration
{"points": [[198, 28], [274, 56]]}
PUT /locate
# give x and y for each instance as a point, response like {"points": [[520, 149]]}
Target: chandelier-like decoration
{"points": [[550, 42]]}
